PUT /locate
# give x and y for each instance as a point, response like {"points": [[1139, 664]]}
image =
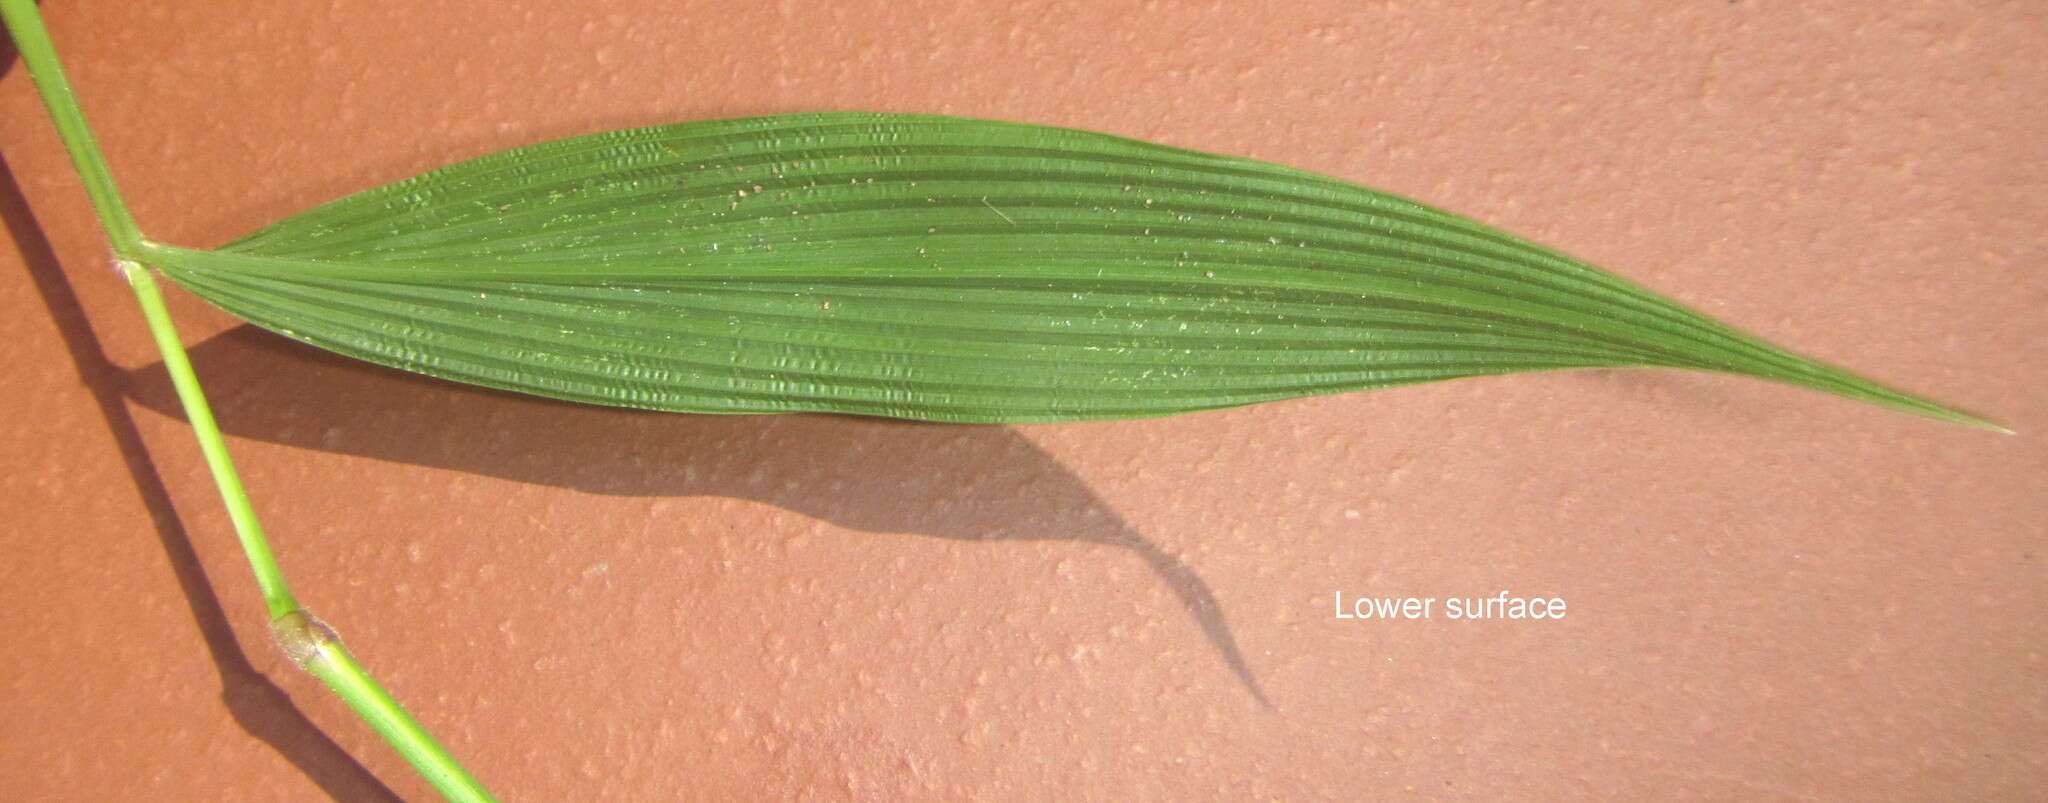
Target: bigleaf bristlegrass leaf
{"points": [[938, 268]]}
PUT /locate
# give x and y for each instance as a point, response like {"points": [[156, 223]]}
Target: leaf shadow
{"points": [[257, 704], [869, 474]]}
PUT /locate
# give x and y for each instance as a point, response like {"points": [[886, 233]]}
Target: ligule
{"points": [[938, 268]]}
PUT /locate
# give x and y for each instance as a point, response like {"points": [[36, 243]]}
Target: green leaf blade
{"points": [[937, 268]]}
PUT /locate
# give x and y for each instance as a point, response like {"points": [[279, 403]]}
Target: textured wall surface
{"points": [[1772, 593]]}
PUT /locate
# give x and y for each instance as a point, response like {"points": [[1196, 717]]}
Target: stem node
{"points": [[303, 637]]}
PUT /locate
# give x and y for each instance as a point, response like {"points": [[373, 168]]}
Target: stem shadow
{"points": [[869, 474], [262, 709], [8, 54]]}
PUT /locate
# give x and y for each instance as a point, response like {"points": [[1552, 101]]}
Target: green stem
{"points": [[277, 596], [309, 643], [316, 649], [33, 40]]}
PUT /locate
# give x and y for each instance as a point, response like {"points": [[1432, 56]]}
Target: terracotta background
{"points": [[1773, 593]]}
